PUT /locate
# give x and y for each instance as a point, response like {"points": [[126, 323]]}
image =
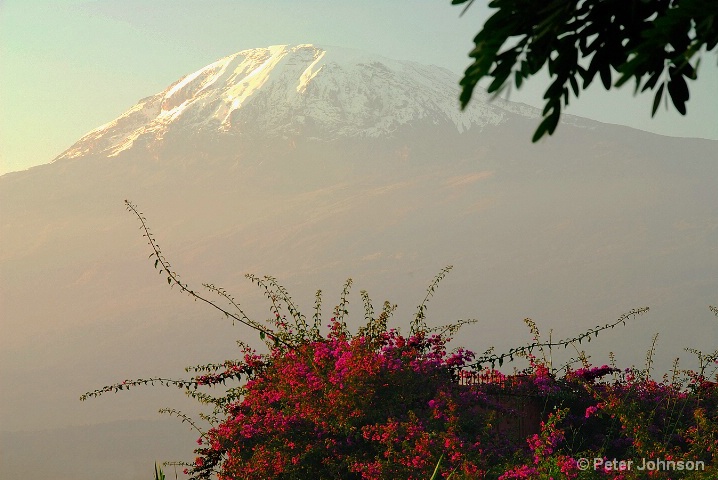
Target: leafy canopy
{"points": [[655, 42]]}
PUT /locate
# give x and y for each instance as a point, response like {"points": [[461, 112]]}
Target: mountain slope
{"points": [[313, 165]]}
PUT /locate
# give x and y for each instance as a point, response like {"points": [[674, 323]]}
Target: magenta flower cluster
{"points": [[353, 407], [389, 407]]}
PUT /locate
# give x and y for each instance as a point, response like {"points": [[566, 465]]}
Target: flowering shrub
{"points": [[381, 405], [630, 418], [353, 407]]}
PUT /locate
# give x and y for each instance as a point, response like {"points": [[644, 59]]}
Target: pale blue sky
{"points": [[69, 66]]}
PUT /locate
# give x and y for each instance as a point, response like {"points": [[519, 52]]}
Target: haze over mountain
{"points": [[315, 164], [304, 91]]}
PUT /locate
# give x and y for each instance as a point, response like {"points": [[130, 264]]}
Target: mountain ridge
{"points": [[290, 90]]}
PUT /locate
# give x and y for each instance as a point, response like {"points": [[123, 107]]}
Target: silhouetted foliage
{"points": [[655, 42]]}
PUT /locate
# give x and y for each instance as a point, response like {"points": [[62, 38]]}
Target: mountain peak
{"points": [[285, 90]]}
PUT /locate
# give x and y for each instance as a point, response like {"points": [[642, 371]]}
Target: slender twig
{"points": [[527, 349], [173, 279], [419, 323], [185, 418]]}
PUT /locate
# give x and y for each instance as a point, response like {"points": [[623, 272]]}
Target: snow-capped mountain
{"points": [[305, 90], [313, 165]]}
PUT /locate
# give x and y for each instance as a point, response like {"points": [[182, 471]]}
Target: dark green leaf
{"points": [[574, 84], [605, 72], [539, 132], [657, 99]]}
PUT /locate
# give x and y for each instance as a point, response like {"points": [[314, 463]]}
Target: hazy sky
{"points": [[69, 66]]}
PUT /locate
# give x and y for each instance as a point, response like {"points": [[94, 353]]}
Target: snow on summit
{"points": [[288, 90]]}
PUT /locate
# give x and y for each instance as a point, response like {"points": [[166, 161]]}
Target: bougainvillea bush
{"points": [[324, 403], [593, 424], [389, 407], [383, 406]]}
